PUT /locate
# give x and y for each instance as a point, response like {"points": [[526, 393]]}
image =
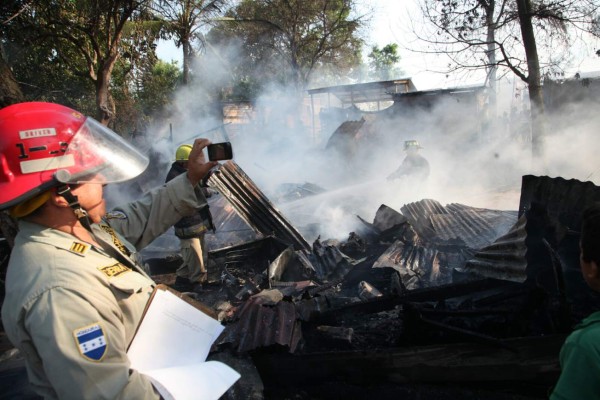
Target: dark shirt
{"points": [[414, 165]]}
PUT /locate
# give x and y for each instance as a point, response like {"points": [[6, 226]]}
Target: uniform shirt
{"points": [[580, 362], [72, 308], [196, 225]]}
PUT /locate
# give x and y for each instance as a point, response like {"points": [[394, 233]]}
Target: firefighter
{"points": [[191, 232], [75, 289], [414, 166]]}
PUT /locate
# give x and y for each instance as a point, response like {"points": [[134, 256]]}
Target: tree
{"points": [[479, 34], [534, 81], [183, 20], [82, 36], [466, 32], [383, 61], [291, 39], [157, 87], [10, 92]]}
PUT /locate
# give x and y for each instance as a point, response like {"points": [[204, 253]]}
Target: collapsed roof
{"points": [[427, 275]]}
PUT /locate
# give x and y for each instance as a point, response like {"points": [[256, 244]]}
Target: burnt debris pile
{"points": [[428, 301], [430, 294]]}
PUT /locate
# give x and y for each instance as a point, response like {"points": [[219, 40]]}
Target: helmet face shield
{"points": [[98, 155], [44, 144]]}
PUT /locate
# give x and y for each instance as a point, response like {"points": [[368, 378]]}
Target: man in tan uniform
{"points": [[75, 290], [191, 232]]}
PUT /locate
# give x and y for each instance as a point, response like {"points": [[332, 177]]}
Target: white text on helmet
{"points": [[35, 133]]}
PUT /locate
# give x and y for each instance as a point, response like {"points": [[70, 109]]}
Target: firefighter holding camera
{"points": [[191, 231], [75, 286]]}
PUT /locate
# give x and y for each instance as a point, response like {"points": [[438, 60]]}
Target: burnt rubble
{"points": [[429, 301], [427, 295]]}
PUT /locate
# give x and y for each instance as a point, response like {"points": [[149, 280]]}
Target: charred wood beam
{"points": [[386, 303], [557, 268], [534, 361], [467, 334], [517, 291], [466, 313]]}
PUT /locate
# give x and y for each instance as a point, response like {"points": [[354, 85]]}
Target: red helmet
{"points": [[43, 145]]}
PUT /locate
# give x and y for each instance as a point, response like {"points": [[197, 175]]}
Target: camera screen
{"points": [[219, 151]]}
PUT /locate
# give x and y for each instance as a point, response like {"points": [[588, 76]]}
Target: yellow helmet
{"points": [[183, 152], [412, 144]]}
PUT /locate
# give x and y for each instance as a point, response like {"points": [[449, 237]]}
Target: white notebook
{"points": [[171, 346]]}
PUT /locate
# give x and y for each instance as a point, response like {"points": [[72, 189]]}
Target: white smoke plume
{"points": [[469, 164]]}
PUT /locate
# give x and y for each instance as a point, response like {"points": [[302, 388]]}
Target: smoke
{"points": [[475, 159]]}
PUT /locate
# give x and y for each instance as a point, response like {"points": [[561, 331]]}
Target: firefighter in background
{"points": [[75, 287], [191, 231], [414, 166]]}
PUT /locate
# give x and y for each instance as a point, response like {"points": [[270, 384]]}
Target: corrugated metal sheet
{"points": [[477, 227], [253, 206], [366, 92], [447, 238], [418, 215], [256, 325], [386, 217], [505, 259], [422, 267], [563, 199], [329, 262], [344, 138]]}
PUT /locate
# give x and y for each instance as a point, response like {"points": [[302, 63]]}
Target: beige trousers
{"points": [[192, 267]]}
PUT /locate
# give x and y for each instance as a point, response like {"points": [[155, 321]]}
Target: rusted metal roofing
{"points": [[256, 325], [253, 206], [419, 213], [447, 238]]}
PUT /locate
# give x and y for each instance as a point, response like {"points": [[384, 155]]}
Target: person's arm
{"points": [[58, 322], [144, 220], [149, 217], [400, 171]]}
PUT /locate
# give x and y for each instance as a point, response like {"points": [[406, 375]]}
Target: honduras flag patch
{"points": [[91, 342]]}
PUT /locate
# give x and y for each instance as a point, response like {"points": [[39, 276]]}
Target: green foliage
{"points": [[288, 41], [43, 76], [183, 20], [382, 62], [158, 87], [84, 38], [67, 52], [143, 95]]}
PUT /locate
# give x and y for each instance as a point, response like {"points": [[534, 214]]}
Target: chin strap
{"points": [[82, 216], [80, 213]]}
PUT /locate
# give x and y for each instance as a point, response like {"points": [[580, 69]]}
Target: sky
{"points": [[393, 21]]}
